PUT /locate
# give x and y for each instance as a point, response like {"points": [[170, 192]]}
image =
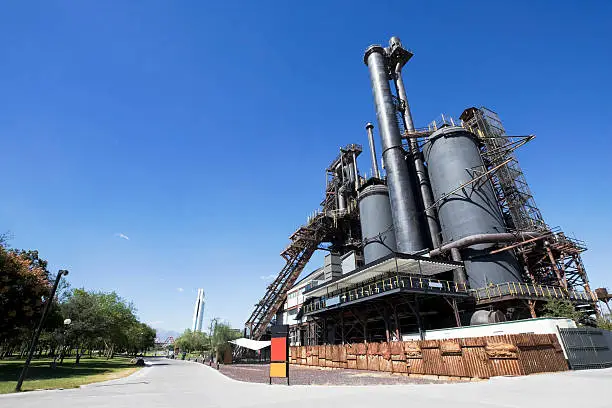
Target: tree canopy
{"points": [[98, 320], [215, 342], [562, 308], [24, 284]]}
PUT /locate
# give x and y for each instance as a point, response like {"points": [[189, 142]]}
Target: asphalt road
{"points": [[170, 383]]}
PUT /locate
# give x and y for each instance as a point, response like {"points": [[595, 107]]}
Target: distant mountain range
{"points": [[163, 334]]}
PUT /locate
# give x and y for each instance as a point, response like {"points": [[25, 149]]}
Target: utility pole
{"points": [[36, 334]]}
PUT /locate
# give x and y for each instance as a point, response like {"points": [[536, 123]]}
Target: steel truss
{"points": [[552, 258], [515, 197], [382, 319], [331, 224]]}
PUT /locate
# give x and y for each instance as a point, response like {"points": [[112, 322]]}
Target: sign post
{"points": [[279, 352]]}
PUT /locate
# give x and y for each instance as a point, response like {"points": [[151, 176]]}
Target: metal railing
{"points": [[528, 290], [422, 284], [409, 282]]}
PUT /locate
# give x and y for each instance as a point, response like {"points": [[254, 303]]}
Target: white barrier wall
{"points": [[542, 325]]}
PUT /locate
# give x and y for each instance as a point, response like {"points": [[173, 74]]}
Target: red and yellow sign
{"points": [[279, 349], [279, 353], [278, 370]]}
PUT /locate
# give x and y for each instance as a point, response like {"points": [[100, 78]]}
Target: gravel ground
{"points": [[302, 375]]}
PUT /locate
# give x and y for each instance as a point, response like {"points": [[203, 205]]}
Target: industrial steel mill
{"points": [[447, 234]]}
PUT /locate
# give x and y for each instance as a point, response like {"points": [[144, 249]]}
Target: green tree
{"points": [[120, 315], [89, 321], [604, 322], [200, 342], [191, 341], [104, 320], [222, 334], [141, 337], [561, 308], [185, 341]]}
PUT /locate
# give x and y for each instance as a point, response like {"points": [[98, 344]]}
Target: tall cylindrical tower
{"points": [[399, 57], [402, 195], [454, 160], [376, 223], [201, 311]]}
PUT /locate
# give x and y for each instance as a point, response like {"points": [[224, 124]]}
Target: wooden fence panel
{"points": [[362, 362], [432, 362], [481, 357], [476, 362], [503, 355]]}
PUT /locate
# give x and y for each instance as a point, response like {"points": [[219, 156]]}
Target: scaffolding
{"points": [[333, 224], [515, 198], [552, 258]]}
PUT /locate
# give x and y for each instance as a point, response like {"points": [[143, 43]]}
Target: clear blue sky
{"points": [[201, 130]]}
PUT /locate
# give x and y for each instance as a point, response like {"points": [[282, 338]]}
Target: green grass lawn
{"points": [[69, 375]]}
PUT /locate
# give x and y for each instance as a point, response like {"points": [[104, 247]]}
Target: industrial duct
{"points": [[483, 239]]}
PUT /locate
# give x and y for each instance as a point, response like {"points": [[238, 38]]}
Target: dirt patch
{"points": [[312, 376]]}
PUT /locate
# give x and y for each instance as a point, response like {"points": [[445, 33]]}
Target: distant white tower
{"points": [[198, 312]]}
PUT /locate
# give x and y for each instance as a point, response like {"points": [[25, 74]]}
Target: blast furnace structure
{"points": [[447, 234]]}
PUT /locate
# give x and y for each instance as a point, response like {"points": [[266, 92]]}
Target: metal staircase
{"points": [[304, 242]]}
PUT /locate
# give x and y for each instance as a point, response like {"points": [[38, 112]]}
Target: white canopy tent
{"points": [[251, 344]]}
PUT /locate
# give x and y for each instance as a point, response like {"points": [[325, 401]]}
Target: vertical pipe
{"points": [[456, 312], [458, 274], [341, 199], [403, 201], [421, 172], [398, 331], [375, 172], [355, 172], [401, 93], [386, 320]]}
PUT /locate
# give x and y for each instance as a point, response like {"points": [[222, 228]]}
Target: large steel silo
{"points": [[376, 223], [454, 160]]}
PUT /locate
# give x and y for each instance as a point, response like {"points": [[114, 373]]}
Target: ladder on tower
{"points": [[304, 242]]}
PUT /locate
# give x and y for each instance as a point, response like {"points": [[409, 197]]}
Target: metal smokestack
{"points": [[399, 58], [396, 44], [370, 128], [404, 207]]}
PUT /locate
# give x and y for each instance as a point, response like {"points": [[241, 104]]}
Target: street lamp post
{"points": [[36, 334]]}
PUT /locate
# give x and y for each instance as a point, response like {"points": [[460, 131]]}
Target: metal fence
{"points": [[587, 348], [530, 291]]}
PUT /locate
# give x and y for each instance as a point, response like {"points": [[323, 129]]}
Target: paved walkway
{"points": [[169, 383]]}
